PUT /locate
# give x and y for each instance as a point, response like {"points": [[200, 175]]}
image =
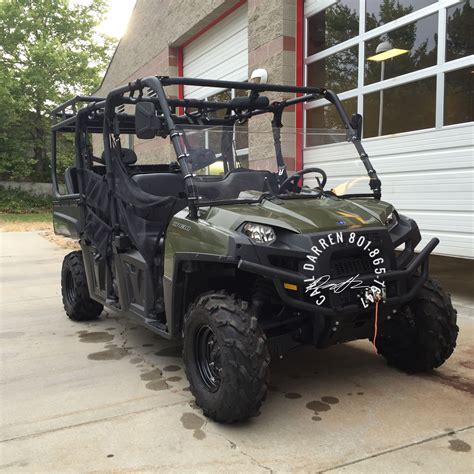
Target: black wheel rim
{"points": [[208, 358], [70, 288]]}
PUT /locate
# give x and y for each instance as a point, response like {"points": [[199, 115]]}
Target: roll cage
{"points": [[103, 116]]}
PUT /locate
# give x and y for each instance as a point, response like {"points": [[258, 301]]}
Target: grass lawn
{"points": [[33, 217], [23, 211], [11, 222]]}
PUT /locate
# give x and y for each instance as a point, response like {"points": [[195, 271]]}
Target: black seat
{"points": [[163, 184], [70, 179], [129, 157], [236, 181], [160, 184], [209, 188]]}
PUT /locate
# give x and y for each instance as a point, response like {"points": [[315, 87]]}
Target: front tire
{"points": [[226, 357], [422, 335], [76, 300]]}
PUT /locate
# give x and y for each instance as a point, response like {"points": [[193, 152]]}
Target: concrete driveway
{"points": [[110, 396]]}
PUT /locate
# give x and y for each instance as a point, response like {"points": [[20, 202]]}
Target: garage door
{"points": [[220, 53]]}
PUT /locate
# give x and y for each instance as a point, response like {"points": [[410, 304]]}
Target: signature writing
{"points": [[324, 282]]}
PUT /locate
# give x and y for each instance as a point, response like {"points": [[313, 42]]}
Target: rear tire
{"points": [[226, 357], [422, 335], [76, 300]]}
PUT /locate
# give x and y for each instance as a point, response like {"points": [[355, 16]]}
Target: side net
{"points": [[141, 215]]}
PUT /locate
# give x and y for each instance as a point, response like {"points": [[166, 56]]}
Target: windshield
{"points": [[240, 162]]}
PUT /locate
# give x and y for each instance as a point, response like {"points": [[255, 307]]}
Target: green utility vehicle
{"points": [[220, 247]]}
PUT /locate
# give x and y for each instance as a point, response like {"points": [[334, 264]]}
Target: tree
{"points": [[49, 51]]}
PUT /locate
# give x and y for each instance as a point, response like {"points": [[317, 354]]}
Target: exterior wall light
{"points": [[259, 76], [385, 51]]}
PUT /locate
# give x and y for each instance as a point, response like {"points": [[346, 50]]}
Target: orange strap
{"points": [[376, 324]]}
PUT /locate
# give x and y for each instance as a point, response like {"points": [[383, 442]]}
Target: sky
{"points": [[115, 24]]}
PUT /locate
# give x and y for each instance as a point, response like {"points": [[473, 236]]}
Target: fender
{"points": [[174, 289]]}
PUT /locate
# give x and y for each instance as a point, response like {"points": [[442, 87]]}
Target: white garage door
{"points": [[220, 53]]}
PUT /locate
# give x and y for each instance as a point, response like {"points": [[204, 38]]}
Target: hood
{"points": [[302, 215]]}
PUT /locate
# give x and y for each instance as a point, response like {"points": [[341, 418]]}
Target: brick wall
{"points": [[272, 32]]}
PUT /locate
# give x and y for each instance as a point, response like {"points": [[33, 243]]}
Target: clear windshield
{"points": [[241, 162]]}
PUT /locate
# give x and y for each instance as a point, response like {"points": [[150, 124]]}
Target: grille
{"points": [[350, 265], [348, 297]]}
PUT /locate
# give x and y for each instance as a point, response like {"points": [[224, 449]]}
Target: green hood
{"points": [[302, 215]]}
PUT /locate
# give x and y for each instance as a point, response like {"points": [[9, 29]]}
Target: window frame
{"points": [[439, 70]]}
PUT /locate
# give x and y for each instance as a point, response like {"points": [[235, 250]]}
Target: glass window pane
{"points": [[459, 96], [333, 25], [381, 12], [404, 108], [326, 118], [410, 48], [337, 72], [459, 30], [243, 160], [213, 138], [241, 136]]}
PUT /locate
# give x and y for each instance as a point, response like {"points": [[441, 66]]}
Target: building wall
{"points": [[272, 45], [158, 30], [429, 176]]}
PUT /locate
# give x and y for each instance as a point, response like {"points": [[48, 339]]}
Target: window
{"points": [[459, 96], [381, 12], [400, 109], [323, 120], [337, 72], [412, 78], [333, 25], [416, 45], [459, 30]]}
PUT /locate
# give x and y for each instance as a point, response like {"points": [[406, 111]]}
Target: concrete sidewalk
{"points": [[110, 396]]}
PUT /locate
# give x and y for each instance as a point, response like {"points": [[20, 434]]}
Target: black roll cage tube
{"points": [[167, 106]]}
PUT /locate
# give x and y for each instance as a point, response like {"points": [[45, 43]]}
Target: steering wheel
{"points": [[294, 178]]}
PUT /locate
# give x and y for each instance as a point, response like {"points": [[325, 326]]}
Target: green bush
{"points": [[18, 201]]}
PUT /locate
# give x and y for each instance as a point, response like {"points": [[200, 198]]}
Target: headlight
{"points": [[392, 220], [262, 234]]}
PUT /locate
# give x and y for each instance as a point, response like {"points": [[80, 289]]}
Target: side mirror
{"points": [[147, 123], [356, 124]]}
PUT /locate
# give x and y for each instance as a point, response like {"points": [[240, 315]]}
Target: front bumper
{"points": [[411, 287]]}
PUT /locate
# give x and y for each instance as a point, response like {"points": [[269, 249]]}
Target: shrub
{"points": [[18, 201]]}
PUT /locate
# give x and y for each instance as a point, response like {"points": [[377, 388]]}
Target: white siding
{"points": [[220, 53], [427, 175]]}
